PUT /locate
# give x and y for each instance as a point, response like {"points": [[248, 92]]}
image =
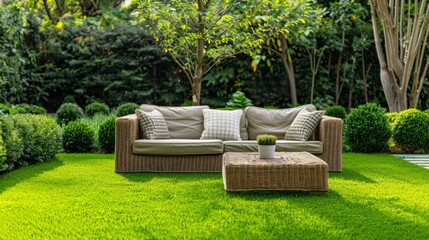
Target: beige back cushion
{"points": [[272, 121], [182, 122]]}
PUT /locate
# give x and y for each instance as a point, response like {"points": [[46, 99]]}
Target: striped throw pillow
{"points": [[223, 125], [303, 125], [153, 125]]}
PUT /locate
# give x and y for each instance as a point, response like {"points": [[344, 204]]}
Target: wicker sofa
{"points": [[185, 152]]}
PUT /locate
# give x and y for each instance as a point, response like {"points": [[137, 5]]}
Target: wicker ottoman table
{"points": [[291, 171]]}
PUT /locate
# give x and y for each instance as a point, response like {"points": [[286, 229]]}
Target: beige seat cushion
{"points": [[177, 147], [272, 121], [314, 147], [182, 122]]}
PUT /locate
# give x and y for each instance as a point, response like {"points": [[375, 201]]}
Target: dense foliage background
{"points": [[108, 56]]}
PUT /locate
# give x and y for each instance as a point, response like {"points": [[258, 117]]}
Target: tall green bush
{"points": [[12, 85], [411, 130], [106, 135], [367, 129], [41, 137]]}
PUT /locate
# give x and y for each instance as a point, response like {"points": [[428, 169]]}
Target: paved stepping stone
{"points": [[418, 159]]}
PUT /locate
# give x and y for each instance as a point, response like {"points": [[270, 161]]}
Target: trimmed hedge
{"points": [[336, 111], [78, 137], [411, 130], [106, 135], [96, 108], [41, 137], [69, 112], [367, 129], [126, 108]]}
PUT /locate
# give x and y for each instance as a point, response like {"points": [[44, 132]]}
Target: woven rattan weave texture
{"points": [[292, 171]]}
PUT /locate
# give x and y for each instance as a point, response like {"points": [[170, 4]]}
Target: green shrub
{"points": [[367, 129], [69, 99], [31, 109], [3, 159], [336, 111], [5, 109], [95, 122], [126, 109], [69, 112], [266, 139], [238, 100], [78, 137], [13, 143], [393, 118], [41, 137], [106, 135], [411, 131], [96, 107]]}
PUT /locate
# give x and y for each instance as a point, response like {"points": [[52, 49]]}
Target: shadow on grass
{"points": [[177, 177], [351, 175], [10, 179]]}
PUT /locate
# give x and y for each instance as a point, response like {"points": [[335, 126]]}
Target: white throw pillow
{"points": [[153, 124], [303, 125], [223, 125]]}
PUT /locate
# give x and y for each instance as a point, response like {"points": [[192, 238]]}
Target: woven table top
{"points": [[281, 158]]}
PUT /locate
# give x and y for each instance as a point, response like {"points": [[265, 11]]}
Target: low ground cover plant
{"points": [[367, 130]]}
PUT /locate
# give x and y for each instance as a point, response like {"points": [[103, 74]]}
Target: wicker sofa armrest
{"points": [[330, 133], [127, 131]]}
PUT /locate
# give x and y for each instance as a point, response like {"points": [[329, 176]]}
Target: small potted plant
{"points": [[266, 145]]}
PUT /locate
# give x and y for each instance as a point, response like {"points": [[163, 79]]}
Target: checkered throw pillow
{"points": [[303, 126], [153, 125], [223, 125]]}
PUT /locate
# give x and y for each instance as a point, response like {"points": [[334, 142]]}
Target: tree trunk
{"points": [[337, 80], [198, 75], [288, 66], [196, 91]]}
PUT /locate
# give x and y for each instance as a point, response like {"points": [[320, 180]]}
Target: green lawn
{"points": [[80, 196]]}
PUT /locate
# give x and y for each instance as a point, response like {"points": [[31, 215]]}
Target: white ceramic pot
{"points": [[266, 151]]}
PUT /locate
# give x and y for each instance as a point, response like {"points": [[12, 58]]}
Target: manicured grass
{"points": [[80, 196]]}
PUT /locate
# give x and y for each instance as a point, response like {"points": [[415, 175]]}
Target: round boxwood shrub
{"points": [[31, 109], [411, 131], [69, 112], [106, 135], [96, 107], [126, 108], [13, 143], [78, 137], [367, 129], [40, 135], [336, 111]]}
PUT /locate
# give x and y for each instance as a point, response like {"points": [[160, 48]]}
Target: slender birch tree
{"points": [[199, 34], [402, 53]]}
